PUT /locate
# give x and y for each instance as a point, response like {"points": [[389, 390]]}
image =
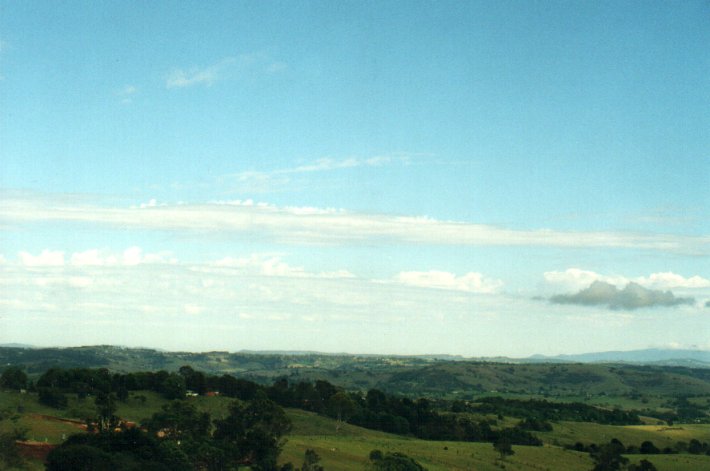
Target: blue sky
{"points": [[396, 177]]}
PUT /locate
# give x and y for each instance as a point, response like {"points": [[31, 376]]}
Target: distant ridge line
{"points": [[651, 356]]}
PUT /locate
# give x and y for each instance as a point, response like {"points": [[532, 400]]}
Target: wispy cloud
{"points": [[93, 258], [632, 296], [273, 265], [208, 75], [126, 93], [181, 78], [263, 181], [294, 225]]}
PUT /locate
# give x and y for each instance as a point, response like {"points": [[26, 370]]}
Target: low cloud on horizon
{"points": [[632, 296]]}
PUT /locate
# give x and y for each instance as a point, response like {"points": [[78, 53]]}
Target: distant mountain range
{"points": [[653, 356], [15, 345], [699, 358]]}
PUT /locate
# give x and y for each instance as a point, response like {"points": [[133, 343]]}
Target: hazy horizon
{"points": [[468, 178]]}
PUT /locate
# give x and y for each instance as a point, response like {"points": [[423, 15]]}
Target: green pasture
{"points": [[569, 433], [346, 447], [675, 462]]}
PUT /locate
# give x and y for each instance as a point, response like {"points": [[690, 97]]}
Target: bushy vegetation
{"points": [[246, 426], [537, 410], [393, 461], [180, 437]]}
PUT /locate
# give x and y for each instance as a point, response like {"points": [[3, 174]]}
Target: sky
{"points": [[476, 178]]}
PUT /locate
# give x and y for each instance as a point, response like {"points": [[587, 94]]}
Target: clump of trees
{"points": [[375, 410], [180, 437], [647, 447], [608, 457], [9, 454], [13, 378], [393, 461], [540, 410]]}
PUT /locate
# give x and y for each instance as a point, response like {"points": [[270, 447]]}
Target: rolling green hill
{"points": [[414, 376], [346, 447]]}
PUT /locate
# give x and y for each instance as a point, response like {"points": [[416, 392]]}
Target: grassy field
{"points": [[347, 447], [569, 433]]}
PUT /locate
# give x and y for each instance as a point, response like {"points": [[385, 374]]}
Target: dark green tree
{"points": [[644, 465], [106, 411], [394, 461], [52, 397], [648, 448], [504, 447], [13, 378], [173, 387], [80, 458], [9, 454], [311, 461], [341, 408], [179, 420], [609, 457], [252, 434]]}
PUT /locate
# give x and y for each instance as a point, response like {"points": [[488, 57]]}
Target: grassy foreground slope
{"points": [[347, 447]]}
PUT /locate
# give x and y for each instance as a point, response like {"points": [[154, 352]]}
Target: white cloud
{"points": [[201, 306], [180, 78], [47, 258], [263, 179], [193, 309], [576, 279], [80, 281], [268, 265], [131, 256], [471, 282], [331, 227], [667, 280], [88, 258]]}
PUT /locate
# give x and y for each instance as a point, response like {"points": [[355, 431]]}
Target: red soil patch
{"points": [[77, 423], [34, 450]]}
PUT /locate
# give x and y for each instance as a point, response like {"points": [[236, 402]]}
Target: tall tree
{"points": [[13, 378]]}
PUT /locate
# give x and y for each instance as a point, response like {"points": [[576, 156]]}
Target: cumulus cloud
{"points": [[667, 280], [470, 282], [48, 258], [575, 279], [632, 296], [90, 257]]}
